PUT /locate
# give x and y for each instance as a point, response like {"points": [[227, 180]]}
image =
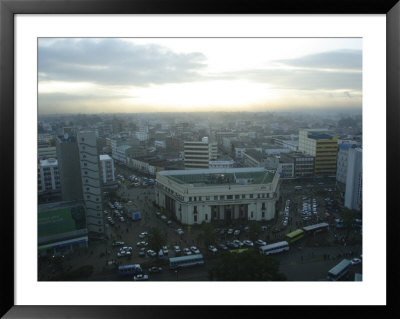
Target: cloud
{"points": [[302, 79], [115, 62], [342, 59]]}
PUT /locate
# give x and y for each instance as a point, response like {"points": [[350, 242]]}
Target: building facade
{"points": [[90, 175], [69, 168], [353, 194], [303, 165], [218, 195], [49, 177], [199, 154], [107, 168], [323, 147]]}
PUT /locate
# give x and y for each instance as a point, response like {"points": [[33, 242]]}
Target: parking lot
{"points": [[322, 250]]}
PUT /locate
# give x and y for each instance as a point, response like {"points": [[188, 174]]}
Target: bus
{"points": [[294, 236], [316, 228], [129, 269], [274, 248], [186, 261], [339, 271]]}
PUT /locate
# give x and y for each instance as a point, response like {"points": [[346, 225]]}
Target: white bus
{"points": [[339, 271], [274, 248], [186, 261]]}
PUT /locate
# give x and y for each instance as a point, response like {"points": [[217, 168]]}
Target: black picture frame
{"points": [[8, 8]]}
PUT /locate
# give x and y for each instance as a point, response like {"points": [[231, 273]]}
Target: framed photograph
{"points": [[265, 88]]}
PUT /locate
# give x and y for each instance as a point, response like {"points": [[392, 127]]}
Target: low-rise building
{"points": [[61, 228], [218, 195]]}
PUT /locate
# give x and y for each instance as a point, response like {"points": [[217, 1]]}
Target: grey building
{"points": [[353, 194]]}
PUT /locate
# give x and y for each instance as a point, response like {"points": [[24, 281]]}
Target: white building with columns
{"points": [[218, 195]]}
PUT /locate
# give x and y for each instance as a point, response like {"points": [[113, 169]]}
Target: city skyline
{"points": [[135, 75]]}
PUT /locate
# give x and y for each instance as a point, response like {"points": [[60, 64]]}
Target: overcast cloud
{"points": [[116, 62]]}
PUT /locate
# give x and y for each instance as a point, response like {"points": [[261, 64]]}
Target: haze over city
{"points": [[136, 75]]}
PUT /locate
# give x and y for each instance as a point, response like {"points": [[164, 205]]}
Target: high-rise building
{"points": [[342, 162], [323, 147], [69, 168], [49, 178], [90, 176], [198, 154], [353, 194], [107, 168]]}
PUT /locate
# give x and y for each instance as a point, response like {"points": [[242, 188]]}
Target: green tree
{"points": [[246, 266], [254, 230], [157, 239], [208, 235]]}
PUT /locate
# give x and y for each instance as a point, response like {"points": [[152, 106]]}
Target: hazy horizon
{"points": [[181, 75]]}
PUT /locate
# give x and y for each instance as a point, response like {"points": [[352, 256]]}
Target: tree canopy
{"points": [[157, 239], [246, 266]]}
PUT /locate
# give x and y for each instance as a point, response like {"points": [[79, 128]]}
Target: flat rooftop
{"points": [[240, 176]]}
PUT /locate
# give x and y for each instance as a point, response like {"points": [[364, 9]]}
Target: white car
{"points": [[236, 232], [140, 277], [248, 243], [355, 261], [213, 249], [143, 235], [260, 242], [151, 253], [187, 251], [195, 250], [165, 250]]}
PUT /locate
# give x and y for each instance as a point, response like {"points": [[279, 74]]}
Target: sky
{"points": [[135, 75]]}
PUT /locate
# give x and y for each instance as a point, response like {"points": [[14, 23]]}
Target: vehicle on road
{"points": [[180, 231], [213, 249], [248, 243], [274, 248], [140, 277], [236, 232], [355, 261], [177, 249], [186, 261], [187, 251], [133, 269], [340, 271], [151, 253], [118, 243], [195, 250], [143, 235], [165, 250], [294, 236], [260, 242], [155, 269], [223, 246]]}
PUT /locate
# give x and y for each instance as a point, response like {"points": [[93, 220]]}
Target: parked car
{"points": [[236, 232], [151, 253], [248, 243], [177, 249], [141, 244], [118, 243], [155, 269], [180, 231], [223, 246], [140, 277], [143, 235], [195, 250], [165, 250], [187, 251], [355, 261], [260, 242], [142, 252], [230, 231], [213, 249]]}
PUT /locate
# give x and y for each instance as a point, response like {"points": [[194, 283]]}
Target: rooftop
{"points": [[220, 176]]}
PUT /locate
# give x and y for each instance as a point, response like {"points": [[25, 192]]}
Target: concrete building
{"points": [[61, 228], [90, 175], [221, 164], [303, 165], [107, 169], [47, 152], [69, 168], [199, 154], [342, 162], [353, 194], [49, 177], [323, 147], [218, 195]]}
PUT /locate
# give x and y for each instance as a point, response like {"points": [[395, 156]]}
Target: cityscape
{"points": [[199, 159]]}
